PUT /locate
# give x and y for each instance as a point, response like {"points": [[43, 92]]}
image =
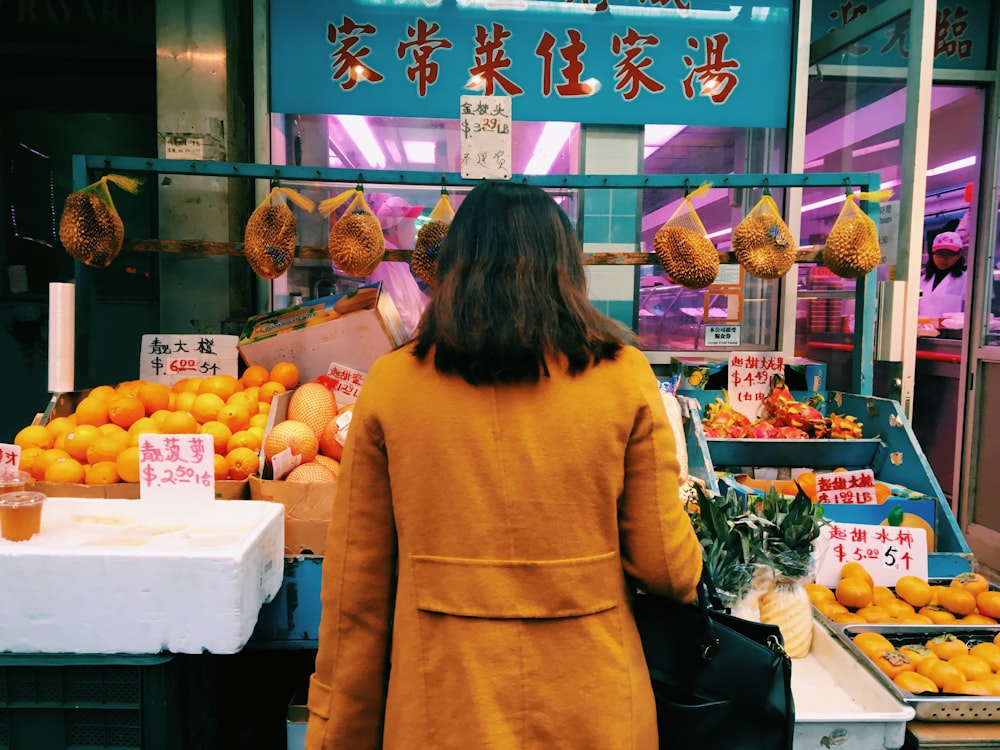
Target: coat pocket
{"points": [[512, 589]]}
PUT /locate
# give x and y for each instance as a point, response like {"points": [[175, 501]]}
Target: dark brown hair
{"points": [[511, 290]]}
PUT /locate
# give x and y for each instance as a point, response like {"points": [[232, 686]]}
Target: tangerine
{"points": [[186, 384], [106, 448], [220, 435], [184, 401], [34, 436], [255, 375], [144, 426], [221, 466], [855, 593], [65, 470], [129, 388], [246, 400], [127, 464], [179, 423], [112, 430], [79, 439], [159, 415], [915, 591], [222, 386], [103, 472], [102, 392], [857, 570], [126, 409], [61, 425], [28, 458], [154, 396], [242, 463], [206, 406], [92, 410], [46, 458], [234, 416], [987, 602], [269, 390], [285, 373], [244, 439]]}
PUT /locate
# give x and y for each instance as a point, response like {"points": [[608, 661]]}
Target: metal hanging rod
{"points": [[83, 164]]}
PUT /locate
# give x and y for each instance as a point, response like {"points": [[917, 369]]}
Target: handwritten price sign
{"points": [[886, 552], [176, 468], [485, 128], [750, 376], [167, 358], [10, 457], [846, 487]]}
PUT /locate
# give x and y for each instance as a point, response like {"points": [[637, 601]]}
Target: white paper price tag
{"points": [[348, 383], [485, 130], [176, 468], [728, 335], [887, 552], [10, 457], [167, 358], [750, 376], [846, 487]]}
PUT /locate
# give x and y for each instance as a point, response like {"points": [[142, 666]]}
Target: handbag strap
{"points": [[708, 642]]}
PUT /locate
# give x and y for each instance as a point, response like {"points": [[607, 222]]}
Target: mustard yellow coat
{"points": [[513, 513]]}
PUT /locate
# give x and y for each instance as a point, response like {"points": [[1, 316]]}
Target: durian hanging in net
{"points": [[356, 242], [90, 228], [688, 257], [762, 242], [271, 233], [852, 248], [423, 262]]}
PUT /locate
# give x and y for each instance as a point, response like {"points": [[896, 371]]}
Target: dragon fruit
{"points": [[723, 421], [788, 432], [762, 429], [786, 411], [844, 427]]}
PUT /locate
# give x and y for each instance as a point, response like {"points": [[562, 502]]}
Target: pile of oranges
{"points": [[967, 600], [98, 442]]}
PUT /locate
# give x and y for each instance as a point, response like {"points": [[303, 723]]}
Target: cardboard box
{"points": [[308, 508], [708, 373], [126, 577], [352, 329]]}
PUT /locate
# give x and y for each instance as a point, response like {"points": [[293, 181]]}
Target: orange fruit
{"points": [[159, 415], [65, 470], [252, 391], [179, 423], [334, 467], [258, 431], [124, 410], [246, 400], [206, 407], [78, 440], [129, 388], [971, 582], [310, 472], [61, 425], [872, 644], [144, 426], [269, 390], [103, 472], [938, 615], [234, 416], [947, 646], [220, 435], [222, 386], [259, 420], [977, 619], [102, 392], [807, 483], [184, 401], [914, 591], [295, 436], [917, 653], [244, 439], [970, 687], [91, 410], [971, 667], [34, 436], [857, 570], [915, 619], [106, 448], [832, 609], [127, 464], [154, 396], [882, 596], [221, 466], [242, 463], [112, 430], [854, 593], [314, 405], [943, 674], [987, 602], [46, 458], [957, 600], [845, 618], [285, 373], [898, 608], [255, 375], [988, 652], [29, 456], [873, 613], [186, 384]]}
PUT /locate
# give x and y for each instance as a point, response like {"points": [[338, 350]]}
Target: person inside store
{"points": [[505, 473], [942, 284]]}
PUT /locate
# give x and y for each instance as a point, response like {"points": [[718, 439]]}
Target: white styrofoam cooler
{"points": [[128, 576], [839, 703]]}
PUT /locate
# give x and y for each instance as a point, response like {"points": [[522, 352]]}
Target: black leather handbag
{"points": [[719, 681]]}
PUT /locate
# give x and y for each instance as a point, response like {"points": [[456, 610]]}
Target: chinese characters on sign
{"points": [[846, 487], [347, 382], [10, 457], [723, 335], [486, 137], [167, 358], [750, 376], [886, 552], [604, 58], [176, 468]]}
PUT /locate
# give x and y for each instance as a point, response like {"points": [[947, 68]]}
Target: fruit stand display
{"points": [[886, 445]]}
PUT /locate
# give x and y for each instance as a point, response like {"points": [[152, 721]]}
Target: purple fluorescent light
{"points": [[356, 126], [420, 152], [554, 137]]}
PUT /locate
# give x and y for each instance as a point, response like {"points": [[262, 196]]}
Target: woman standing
{"points": [[504, 474], [942, 285]]}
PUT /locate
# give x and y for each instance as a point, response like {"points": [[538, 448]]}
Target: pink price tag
{"points": [[176, 468], [846, 487], [886, 552]]}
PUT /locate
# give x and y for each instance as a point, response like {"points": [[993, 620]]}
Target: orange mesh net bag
{"points": [[356, 242], [686, 254], [90, 228], [271, 234]]}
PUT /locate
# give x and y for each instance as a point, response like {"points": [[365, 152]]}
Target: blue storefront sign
{"points": [[961, 38], [697, 62]]}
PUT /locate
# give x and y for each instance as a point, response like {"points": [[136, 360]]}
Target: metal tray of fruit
{"points": [[807, 452], [929, 707]]}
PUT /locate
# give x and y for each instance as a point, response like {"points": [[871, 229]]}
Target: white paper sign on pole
{"points": [[176, 468], [485, 127], [10, 457], [887, 552], [167, 358], [750, 376]]}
